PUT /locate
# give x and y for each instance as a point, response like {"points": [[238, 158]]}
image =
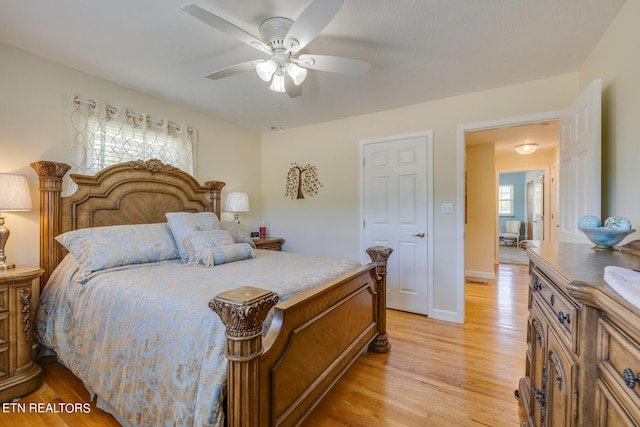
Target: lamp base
{"points": [[6, 266], [4, 235]]}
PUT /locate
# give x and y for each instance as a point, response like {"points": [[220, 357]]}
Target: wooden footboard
{"points": [[314, 337]]}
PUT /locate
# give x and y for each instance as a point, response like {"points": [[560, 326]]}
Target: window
{"points": [[505, 200], [105, 135], [116, 142]]}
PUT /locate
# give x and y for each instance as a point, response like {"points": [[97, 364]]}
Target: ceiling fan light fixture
{"points": [[266, 69], [277, 84], [298, 74], [526, 148]]}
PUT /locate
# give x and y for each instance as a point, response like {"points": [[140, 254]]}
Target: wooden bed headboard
{"points": [[138, 192]]}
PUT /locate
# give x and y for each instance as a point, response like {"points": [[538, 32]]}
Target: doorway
{"points": [[524, 201], [579, 156], [492, 154]]}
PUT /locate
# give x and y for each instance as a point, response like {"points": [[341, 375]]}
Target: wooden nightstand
{"points": [[19, 374], [269, 243]]}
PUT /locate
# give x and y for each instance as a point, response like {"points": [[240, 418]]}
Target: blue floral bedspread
{"points": [[143, 339]]}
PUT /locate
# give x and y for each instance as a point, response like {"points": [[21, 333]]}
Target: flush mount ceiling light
{"points": [[526, 148], [283, 39]]}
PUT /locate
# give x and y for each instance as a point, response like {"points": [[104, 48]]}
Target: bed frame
{"points": [[314, 337]]}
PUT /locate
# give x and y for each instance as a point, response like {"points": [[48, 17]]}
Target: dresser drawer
{"points": [[565, 313], [609, 410], [619, 363]]}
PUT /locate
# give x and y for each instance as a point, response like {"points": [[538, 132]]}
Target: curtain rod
{"points": [[93, 104]]}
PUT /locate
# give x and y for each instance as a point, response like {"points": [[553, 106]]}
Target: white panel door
{"points": [[397, 212], [580, 167], [538, 208], [554, 226]]}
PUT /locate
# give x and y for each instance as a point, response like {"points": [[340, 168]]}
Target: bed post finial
{"points": [[50, 174], [215, 187], [379, 256], [243, 311]]}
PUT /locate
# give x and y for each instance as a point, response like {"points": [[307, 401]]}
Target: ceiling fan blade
{"points": [[333, 64], [234, 69], [291, 88], [225, 26], [310, 22]]}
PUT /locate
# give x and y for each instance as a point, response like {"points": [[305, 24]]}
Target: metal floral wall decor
{"points": [[301, 180]]}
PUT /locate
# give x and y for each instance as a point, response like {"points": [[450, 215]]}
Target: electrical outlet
{"points": [[447, 208]]}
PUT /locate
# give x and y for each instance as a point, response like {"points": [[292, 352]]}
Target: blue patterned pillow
{"points": [[99, 248], [183, 222], [196, 241], [239, 236], [208, 251]]}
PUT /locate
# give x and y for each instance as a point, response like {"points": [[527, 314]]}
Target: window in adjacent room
{"points": [[505, 200]]}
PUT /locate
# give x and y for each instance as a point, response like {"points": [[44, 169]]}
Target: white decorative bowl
{"points": [[604, 238]]}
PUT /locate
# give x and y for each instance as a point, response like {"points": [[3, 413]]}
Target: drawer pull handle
{"points": [[539, 396], [629, 378], [562, 317], [537, 286], [553, 299]]}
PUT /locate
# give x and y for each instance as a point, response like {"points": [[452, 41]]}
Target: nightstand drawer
{"points": [[269, 243]]}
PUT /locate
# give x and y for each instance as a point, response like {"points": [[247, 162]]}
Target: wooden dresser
{"points": [[583, 340]]}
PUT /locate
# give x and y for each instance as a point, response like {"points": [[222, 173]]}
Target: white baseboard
{"points": [[479, 276], [449, 316]]}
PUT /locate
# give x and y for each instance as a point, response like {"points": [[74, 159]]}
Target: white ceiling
{"points": [[419, 50], [545, 135]]}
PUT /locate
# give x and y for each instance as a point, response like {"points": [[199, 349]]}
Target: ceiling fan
{"points": [[283, 39]]}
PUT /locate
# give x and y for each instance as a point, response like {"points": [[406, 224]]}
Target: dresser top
{"points": [[578, 262], [579, 269]]}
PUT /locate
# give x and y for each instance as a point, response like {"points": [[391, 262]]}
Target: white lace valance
{"points": [[105, 135]]}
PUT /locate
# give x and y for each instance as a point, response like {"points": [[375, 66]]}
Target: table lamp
{"points": [[14, 196], [237, 202]]}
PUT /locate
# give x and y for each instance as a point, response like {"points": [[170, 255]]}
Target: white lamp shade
{"points": [[237, 202], [14, 193], [277, 84], [266, 69], [298, 74]]}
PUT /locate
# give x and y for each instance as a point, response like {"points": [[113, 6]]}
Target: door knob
{"points": [[420, 234]]}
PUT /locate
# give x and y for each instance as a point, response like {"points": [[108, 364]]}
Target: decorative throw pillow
{"points": [[209, 255], [183, 222], [239, 236], [99, 248], [196, 241]]}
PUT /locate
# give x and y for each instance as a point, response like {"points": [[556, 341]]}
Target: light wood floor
{"points": [[437, 373]]}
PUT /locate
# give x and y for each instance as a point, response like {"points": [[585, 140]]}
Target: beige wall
{"points": [[35, 124], [616, 60], [480, 229], [329, 222]]}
